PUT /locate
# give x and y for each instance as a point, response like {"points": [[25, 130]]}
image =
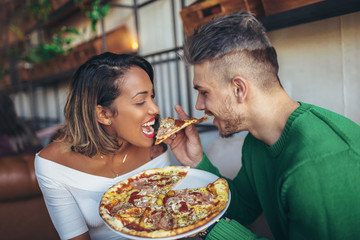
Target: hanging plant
{"points": [[41, 9], [58, 46], [95, 12]]}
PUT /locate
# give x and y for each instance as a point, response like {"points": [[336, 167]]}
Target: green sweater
{"points": [[307, 183]]}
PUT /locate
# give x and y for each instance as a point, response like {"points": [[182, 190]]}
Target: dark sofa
{"points": [[23, 214]]}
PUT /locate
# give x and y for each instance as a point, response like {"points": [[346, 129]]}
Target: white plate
{"points": [[194, 179]]}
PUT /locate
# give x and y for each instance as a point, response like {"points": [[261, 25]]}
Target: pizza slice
{"points": [[159, 180], [192, 208], [128, 217], [169, 126]]}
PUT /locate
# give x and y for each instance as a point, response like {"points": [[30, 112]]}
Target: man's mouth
{"points": [[210, 115], [148, 129]]}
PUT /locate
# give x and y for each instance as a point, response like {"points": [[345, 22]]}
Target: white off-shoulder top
{"points": [[72, 197]]}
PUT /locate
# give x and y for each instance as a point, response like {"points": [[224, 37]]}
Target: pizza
{"points": [[146, 204], [169, 126]]}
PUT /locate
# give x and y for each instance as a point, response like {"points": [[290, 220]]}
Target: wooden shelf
{"points": [[310, 13]]}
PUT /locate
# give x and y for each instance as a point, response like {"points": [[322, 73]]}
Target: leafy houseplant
{"points": [[94, 12], [58, 45], [42, 58], [46, 51], [40, 9], [57, 51]]}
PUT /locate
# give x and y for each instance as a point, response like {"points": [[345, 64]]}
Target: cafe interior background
{"points": [[44, 41]]}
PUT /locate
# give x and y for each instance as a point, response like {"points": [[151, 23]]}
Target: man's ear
{"points": [[240, 87], [102, 115]]}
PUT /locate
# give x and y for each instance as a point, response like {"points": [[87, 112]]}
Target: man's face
{"points": [[217, 99]]}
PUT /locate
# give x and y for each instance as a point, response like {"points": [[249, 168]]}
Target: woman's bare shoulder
{"points": [[56, 151]]}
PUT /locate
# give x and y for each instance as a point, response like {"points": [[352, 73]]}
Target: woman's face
{"points": [[136, 110]]}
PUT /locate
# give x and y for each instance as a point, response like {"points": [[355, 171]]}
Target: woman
{"points": [[108, 136], [16, 136]]}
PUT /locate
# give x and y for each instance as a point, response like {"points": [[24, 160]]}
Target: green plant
{"points": [[95, 12], [40, 9], [58, 46]]}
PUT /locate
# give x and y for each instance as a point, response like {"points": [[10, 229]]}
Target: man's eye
{"points": [[203, 93]]}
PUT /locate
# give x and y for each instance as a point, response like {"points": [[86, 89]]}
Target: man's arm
{"points": [[231, 230]]}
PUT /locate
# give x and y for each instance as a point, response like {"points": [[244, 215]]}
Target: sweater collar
{"points": [[276, 149]]}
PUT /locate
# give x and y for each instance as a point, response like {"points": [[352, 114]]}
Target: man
{"points": [[300, 163]]}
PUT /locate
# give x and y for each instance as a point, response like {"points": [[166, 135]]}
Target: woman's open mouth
{"points": [[148, 129]]}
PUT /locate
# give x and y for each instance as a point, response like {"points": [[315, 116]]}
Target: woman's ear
{"points": [[102, 115], [240, 88]]}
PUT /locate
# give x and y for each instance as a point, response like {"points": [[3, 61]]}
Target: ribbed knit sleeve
{"points": [[230, 230], [206, 165]]}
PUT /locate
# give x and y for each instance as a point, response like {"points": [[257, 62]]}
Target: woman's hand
{"points": [[186, 144]]}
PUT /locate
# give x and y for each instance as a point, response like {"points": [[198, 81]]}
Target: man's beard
{"points": [[231, 122], [231, 127]]}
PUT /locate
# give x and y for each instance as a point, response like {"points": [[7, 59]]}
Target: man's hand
{"points": [[186, 144]]}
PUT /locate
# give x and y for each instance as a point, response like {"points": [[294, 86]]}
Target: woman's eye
{"points": [[140, 103]]}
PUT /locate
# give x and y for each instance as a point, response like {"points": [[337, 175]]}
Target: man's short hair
{"points": [[235, 42]]}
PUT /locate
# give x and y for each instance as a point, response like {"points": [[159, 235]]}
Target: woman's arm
{"points": [[62, 207], [84, 236]]}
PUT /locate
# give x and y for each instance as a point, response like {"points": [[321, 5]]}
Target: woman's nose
{"points": [[154, 109]]}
